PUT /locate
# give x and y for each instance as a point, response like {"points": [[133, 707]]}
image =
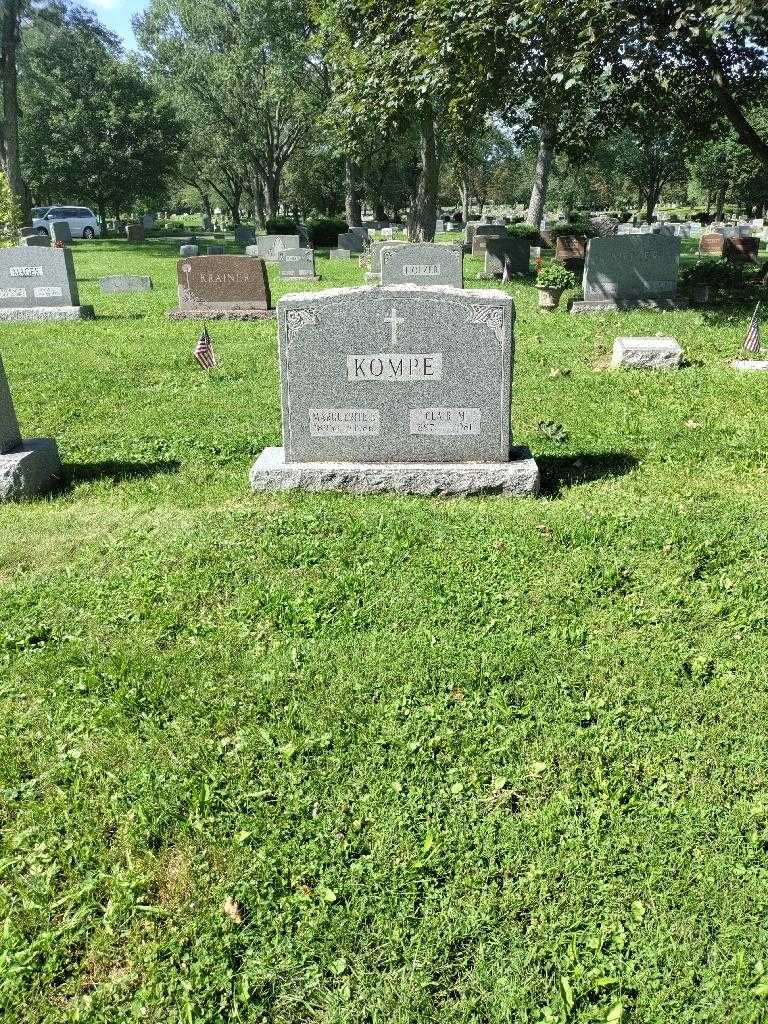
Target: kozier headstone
{"points": [[422, 263], [222, 288], [39, 284], [396, 388]]}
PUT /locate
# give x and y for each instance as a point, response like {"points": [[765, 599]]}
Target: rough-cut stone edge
{"points": [[30, 470], [627, 305], [490, 295], [217, 313], [749, 365], [651, 353], [518, 478], [33, 314]]}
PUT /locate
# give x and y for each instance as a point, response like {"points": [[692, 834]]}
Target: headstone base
{"points": [[517, 478], [31, 470], [217, 313], [626, 305], [309, 277], [372, 279], [749, 365], [33, 314]]}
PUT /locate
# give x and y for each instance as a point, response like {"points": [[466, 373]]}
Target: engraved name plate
{"points": [[13, 293], [392, 367], [344, 422], [25, 271], [440, 422], [48, 293]]}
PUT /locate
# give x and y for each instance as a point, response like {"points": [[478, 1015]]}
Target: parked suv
{"points": [[83, 223]]}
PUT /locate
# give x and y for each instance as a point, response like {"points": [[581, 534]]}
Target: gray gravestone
{"points": [[41, 241], [653, 353], [352, 241], [27, 230], [396, 388], [215, 250], [509, 252], [423, 263], [135, 233], [628, 271], [27, 468], [148, 221], [298, 264], [269, 247], [188, 250], [339, 254], [60, 232], [245, 234], [118, 285], [39, 284]]}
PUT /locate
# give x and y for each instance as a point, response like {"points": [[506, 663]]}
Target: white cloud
{"points": [[105, 5]]}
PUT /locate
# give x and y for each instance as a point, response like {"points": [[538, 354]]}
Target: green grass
{"points": [[474, 761]]}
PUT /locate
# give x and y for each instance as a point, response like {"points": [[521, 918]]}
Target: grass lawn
{"points": [[473, 761]]}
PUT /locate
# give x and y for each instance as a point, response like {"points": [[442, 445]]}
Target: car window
{"points": [[88, 213], [56, 212], [72, 213], [39, 211]]}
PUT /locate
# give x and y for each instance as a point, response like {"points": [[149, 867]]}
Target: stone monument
{"points": [[39, 284], [27, 468], [222, 288], [630, 272], [402, 388], [297, 265], [422, 263]]}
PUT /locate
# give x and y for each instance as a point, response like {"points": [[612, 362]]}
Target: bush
{"points": [[281, 226], [554, 275], [718, 274], [10, 213], [523, 231], [581, 227], [324, 232]]}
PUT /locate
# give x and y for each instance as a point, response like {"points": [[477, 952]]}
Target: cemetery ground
{"points": [[318, 757]]}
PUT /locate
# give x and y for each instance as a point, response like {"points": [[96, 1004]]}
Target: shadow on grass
{"points": [[559, 471], [84, 472]]}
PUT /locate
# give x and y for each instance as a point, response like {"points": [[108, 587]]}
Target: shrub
{"points": [[719, 274], [281, 226], [554, 275], [523, 231], [324, 232], [576, 228]]}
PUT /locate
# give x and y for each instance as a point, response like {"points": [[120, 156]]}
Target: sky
{"points": [[116, 15]]}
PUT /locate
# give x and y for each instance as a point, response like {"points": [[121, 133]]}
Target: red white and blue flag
{"points": [[752, 340], [204, 353]]}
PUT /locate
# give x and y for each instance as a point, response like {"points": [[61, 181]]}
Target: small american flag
{"points": [[752, 340], [204, 351]]}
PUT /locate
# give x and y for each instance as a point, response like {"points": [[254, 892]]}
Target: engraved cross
{"points": [[394, 321]]}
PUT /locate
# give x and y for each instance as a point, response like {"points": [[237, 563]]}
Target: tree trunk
{"points": [[464, 197], [541, 176], [351, 199], [379, 213], [422, 216], [272, 195], [10, 131], [257, 198], [720, 209], [102, 207]]}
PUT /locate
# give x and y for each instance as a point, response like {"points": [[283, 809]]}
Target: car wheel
{"points": [[89, 233], [42, 231]]}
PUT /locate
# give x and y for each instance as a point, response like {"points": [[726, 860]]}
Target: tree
{"points": [[239, 69], [651, 154], [93, 128]]}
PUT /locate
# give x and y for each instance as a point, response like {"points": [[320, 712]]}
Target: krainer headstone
{"points": [[119, 285], [39, 284], [631, 272], [222, 288], [401, 388], [27, 468], [422, 263], [297, 264]]}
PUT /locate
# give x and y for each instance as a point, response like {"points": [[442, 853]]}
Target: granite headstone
{"points": [[510, 253], [630, 271], [298, 264], [27, 468], [222, 288], [39, 284], [60, 232], [269, 247], [124, 284], [422, 263]]}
